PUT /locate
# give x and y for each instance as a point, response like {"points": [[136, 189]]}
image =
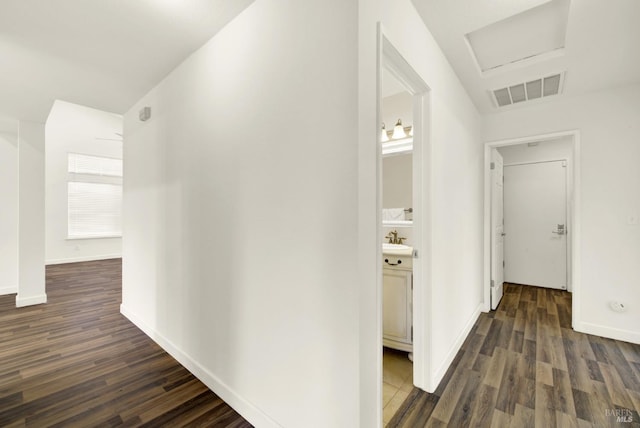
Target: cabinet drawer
{"points": [[397, 262]]}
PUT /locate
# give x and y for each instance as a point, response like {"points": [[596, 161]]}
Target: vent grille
{"points": [[543, 87]]}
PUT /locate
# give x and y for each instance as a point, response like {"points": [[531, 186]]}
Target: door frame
{"points": [[390, 59], [573, 216]]}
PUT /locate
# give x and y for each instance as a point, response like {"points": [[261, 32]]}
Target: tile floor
{"points": [[397, 381]]}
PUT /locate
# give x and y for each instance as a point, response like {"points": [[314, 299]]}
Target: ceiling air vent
{"points": [[514, 94]]}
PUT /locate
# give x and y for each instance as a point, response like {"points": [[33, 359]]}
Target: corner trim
{"points": [[442, 370], [29, 301], [82, 259], [610, 332], [246, 409]]}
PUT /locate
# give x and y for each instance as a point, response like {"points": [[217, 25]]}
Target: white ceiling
{"points": [[106, 54], [601, 48], [103, 54]]}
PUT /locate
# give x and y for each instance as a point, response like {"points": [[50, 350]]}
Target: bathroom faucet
{"points": [[393, 238]]}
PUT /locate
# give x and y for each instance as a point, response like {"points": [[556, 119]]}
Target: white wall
{"points": [[31, 279], [396, 181], [240, 227], [610, 181], [369, 255], [22, 213], [72, 128], [9, 204]]}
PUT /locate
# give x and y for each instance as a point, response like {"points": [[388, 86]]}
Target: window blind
{"points": [[94, 192], [94, 165]]}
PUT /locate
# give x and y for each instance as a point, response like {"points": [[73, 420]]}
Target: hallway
{"points": [[523, 366]]}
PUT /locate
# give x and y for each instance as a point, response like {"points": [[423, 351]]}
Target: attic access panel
{"points": [[527, 35]]}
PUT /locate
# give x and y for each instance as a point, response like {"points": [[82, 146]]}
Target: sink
{"points": [[397, 249]]}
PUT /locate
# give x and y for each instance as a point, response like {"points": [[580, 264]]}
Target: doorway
{"points": [[541, 185], [397, 244], [415, 221]]}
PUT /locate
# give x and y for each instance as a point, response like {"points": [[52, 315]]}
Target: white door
{"points": [[497, 228], [535, 222]]}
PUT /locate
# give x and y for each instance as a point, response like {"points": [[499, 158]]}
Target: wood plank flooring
{"points": [[523, 366], [76, 361]]}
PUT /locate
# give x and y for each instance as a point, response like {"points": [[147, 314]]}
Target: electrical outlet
{"points": [[617, 307]]}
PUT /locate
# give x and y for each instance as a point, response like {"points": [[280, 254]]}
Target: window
{"points": [[94, 192]]}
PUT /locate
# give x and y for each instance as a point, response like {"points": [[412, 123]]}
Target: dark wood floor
{"points": [[76, 361], [523, 366]]}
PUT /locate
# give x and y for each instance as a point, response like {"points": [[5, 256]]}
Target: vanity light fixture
{"points": [[399, 132], [404, 145], [396, 142]]}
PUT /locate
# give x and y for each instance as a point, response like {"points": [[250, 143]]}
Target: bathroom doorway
{"points": [[397, 246], [404, 211]]}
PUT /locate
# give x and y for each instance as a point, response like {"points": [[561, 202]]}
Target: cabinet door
{"points": [[396, 305]]}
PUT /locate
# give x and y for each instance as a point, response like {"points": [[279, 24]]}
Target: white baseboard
{"points": [[609, 332], [442, 370], [8, 290], [82, 259], [28, 301], [248, 411]]}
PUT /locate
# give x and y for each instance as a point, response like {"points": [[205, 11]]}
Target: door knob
{"points": [[560, 230]]}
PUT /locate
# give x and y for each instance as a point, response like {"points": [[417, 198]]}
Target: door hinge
{"points": [[493, 283], [493, 165], [503, 263], [415, 253], [411, 333]]}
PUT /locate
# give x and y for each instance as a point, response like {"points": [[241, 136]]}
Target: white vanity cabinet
{"points": [[397, 325]]}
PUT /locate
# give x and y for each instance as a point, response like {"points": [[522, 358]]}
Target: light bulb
{"points": [[384, 137], [398, 131]]}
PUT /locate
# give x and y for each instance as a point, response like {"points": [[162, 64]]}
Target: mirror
{"points": [[397, 153]]}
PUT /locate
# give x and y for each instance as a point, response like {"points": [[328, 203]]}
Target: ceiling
{"points": [[103, 54], [600, 45], [107, 55]]}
